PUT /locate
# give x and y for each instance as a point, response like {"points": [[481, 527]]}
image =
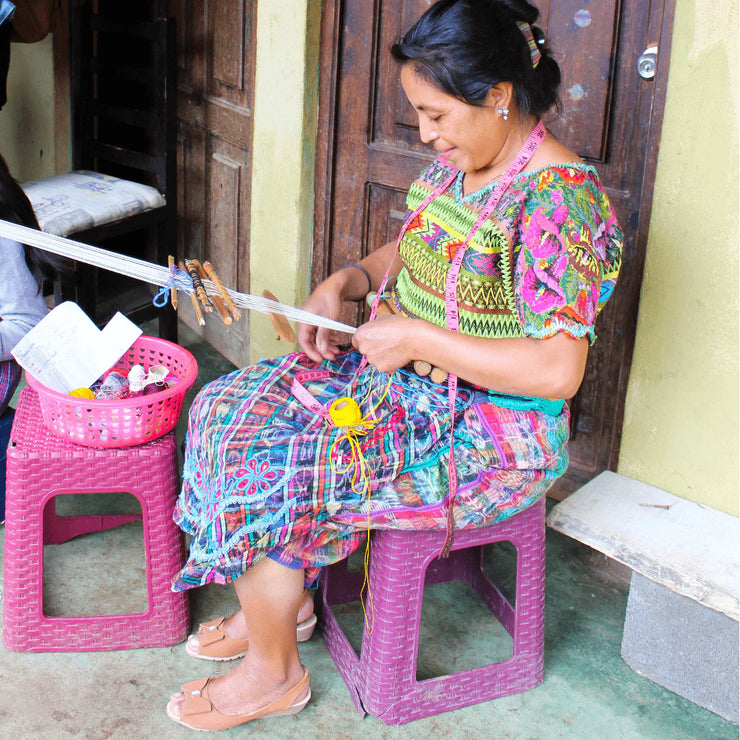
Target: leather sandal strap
{"points": [[198, 711]]}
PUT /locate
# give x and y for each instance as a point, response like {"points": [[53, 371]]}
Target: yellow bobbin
{"points": [[82, 393], [345, 412]]}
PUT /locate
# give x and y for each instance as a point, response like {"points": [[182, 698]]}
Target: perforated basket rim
{"points": [[179, 388]]}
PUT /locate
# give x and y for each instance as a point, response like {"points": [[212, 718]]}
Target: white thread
{"points": [[154, 274]]}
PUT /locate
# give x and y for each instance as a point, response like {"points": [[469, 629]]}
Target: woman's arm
{"points": [[347, 284], [549, 368], [21, 304]]}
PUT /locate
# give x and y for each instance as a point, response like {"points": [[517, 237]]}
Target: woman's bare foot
{"points": [[247, 688], [235, 628]]}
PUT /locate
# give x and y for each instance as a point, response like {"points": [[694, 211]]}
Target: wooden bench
{"points": [[681, 626]]}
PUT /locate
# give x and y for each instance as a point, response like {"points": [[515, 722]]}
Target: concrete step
{"points": [[689, 548]]}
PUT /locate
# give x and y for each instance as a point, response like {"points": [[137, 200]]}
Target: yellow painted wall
{"points": [[27, 119], [285, 114], [681, 424]]}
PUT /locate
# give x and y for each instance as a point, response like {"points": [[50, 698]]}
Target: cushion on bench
{"points": [[80, 200]]}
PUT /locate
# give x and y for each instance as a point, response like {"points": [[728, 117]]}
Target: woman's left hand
{"points": [[386, 342]]}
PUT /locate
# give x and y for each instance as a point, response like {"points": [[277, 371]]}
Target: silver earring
{"points": [[504, 112]]}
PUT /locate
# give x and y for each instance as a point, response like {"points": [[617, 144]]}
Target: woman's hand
{"points": [[387, 342], [347, 284], [320, 343]]}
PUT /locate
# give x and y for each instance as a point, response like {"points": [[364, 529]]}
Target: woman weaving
{"points": [[509, 251]]}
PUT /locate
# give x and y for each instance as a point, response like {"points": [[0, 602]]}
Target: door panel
{"points": [[609, 116], [215, 98]]}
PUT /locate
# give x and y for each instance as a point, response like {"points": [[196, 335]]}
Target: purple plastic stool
{"points": [[41, 466], [382, 680]]}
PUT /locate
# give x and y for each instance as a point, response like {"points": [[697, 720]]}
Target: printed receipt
{"points": [[65, 350]]}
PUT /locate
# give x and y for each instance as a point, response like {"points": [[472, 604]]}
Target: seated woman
{"points": [[509, 251], [24, 268]]}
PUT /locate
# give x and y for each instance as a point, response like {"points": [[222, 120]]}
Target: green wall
{"points": [[285, 115], [27, 119], [681, 424]]}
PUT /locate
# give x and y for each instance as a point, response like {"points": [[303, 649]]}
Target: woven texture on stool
{"points": [[382, 679], [40, 466]]}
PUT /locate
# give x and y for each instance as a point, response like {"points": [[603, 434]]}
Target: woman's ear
{"points": [[500, 95]]}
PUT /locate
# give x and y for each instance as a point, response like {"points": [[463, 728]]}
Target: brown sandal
{"points": [[199, 714], [214, 644]]}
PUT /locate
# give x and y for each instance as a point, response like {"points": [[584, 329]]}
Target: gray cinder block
{"points": [[682, 645]]}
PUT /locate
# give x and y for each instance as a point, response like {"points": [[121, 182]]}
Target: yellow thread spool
{"points": [[345, 412], [82, 393]]}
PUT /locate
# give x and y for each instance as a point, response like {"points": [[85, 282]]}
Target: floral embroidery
{"points": [[255, 476], [545, 262]]}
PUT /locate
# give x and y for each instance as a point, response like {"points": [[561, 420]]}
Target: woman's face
{"points": [[469, 136]]}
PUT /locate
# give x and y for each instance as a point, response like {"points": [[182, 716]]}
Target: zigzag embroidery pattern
{"points": [[484, 302]]}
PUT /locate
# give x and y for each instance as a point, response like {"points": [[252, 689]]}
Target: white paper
{"points": [[65, 350]]}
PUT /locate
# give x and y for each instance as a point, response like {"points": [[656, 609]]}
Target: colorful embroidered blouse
{"points": [[545, 261]]}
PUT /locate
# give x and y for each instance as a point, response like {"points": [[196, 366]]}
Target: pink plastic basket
{"points": [[122, 423]]}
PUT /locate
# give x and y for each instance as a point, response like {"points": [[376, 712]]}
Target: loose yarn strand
{"points": [[346, 414]]}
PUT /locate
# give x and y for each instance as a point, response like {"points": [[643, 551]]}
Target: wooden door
{"points": [[371, 152], [215, 102]]}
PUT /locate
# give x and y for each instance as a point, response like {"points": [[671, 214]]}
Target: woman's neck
{"points": [[520, 129]]}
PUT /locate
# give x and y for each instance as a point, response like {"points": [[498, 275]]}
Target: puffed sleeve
{"points": [[569, 254]]}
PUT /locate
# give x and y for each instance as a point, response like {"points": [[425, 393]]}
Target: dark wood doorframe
{"points": [[659, 26], [660, 30], [324, 178]]}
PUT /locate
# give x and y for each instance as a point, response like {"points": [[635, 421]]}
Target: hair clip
{"points": [[534, 51]]}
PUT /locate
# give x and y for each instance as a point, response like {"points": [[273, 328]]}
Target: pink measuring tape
{"points": [[452, 322]]}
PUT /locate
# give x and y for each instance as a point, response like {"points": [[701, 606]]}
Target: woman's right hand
{"points": [[347, 284], [320, 343]]}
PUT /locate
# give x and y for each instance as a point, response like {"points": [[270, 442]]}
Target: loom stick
{"points": [[194, 299], [216, 280], [421, 367], [217, 300], [200, 290], [281, 324], [173, 291]]}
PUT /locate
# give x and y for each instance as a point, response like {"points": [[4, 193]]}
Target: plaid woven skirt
{"points": [[10, 375], [264, 476]]}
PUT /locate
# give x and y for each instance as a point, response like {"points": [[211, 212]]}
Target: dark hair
{"points": [[465, 47], [15, 207]]}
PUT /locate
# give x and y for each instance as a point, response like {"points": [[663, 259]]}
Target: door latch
{"points": [[648, 62]]}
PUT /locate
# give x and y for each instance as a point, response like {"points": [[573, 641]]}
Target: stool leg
{"points": [[168, 619], [529, 622], [22, 596], [389, 652]]}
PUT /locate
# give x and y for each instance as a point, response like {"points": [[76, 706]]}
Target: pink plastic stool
{"points": [[40, 466], [382, 680]]}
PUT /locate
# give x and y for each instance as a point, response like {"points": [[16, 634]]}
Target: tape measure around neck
{"points": [[452, 314]]}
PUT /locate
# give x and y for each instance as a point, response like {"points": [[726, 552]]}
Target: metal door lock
{"points": [[648, 62]]}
